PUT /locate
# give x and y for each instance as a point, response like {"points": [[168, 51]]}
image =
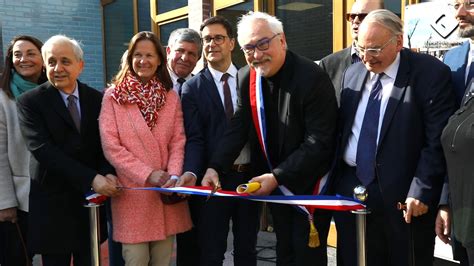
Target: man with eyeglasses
{"points": [[394, 107], [335, 64], [460, 60], [209, 100], [298, 123]]}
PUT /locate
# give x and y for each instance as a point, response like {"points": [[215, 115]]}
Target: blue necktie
{"points": [[367, 145], [180, 82]]}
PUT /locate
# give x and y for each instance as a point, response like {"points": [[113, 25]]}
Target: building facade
{"points": [[314, 28]]}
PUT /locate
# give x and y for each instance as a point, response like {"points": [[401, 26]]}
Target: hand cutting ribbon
{"points": [[338, 203]]}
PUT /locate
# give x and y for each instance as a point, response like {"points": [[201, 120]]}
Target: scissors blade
{"points": [[214, 190]]}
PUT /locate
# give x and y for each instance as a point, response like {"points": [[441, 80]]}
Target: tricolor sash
{"points": [[258, 116]]}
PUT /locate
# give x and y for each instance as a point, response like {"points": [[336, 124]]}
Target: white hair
{"points": [[62, 39], [248, 19]]}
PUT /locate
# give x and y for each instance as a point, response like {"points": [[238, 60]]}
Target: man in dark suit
{"points": [[209, 100], [460, 61], [335, 64], [394, 106], [183, 52], [59, 122], [300, 120]]}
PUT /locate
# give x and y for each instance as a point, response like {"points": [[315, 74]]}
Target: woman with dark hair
{"points": [[141, 125], [23, 71]]}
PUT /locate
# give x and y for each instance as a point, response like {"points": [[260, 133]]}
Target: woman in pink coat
{"points": [[141, 125]]}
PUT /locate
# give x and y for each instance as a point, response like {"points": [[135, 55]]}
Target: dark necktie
{"points": [[72, 107], [228, 106], [367, 145], [180, 82], [355, 58]]}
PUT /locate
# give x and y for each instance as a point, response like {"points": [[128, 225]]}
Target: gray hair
{"points": [[387, 19], [246, 21], [185, 35], [62, 39]]}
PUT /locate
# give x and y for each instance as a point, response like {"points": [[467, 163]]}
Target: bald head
{"points": [[362, 7]]}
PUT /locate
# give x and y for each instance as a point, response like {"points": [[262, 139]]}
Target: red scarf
{"points": [[149, 97]]}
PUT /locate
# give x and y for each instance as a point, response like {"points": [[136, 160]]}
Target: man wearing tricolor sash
{"points": [[287, 111]]}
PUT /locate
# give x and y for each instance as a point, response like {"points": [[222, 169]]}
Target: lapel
{"points": [[347, 57], [284, 98], [212, 91], [399, 88], [462, 52], [86, 111], [53, 97], [148, 140], [351, 97]]}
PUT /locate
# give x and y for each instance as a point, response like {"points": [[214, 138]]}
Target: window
{"points": [[308, 26]]}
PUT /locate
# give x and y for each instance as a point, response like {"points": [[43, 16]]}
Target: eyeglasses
{"points": [[468, 5], [261, 45], [352, 16], [218, 39], [373, 51]]}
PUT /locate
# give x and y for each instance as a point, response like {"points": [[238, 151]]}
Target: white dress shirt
{"points": [[244, 157], [387, 80]]}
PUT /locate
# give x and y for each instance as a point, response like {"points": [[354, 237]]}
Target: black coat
{"points": [[307, 114], [64, 165]]}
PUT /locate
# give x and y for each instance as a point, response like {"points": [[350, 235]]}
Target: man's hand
{"points": [[211, 178], [268, 183], [443, 224], [187, 179], [158, 178], [8, 215], [106, 185], [414, 208]]}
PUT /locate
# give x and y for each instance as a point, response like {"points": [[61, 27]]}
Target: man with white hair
{"points": [[394, 107], [58, 120], [299, 119]]}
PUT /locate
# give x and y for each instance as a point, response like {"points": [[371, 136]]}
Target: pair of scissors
{"points": [[214, 190]]}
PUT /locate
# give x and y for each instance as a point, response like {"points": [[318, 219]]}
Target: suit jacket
{"points": [[14, 158], [456, 59], [65, 163], [409, 159], [335, 64], [307, 114], [204, 120]]}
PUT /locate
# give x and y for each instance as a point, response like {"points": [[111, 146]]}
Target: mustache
{"points": [[263, 60]]}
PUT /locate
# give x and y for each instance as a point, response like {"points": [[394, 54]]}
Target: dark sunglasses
{"points": [[352, 16]]}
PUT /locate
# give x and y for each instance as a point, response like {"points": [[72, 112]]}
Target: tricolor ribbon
{"points": [[94, 198], [337, 203], [258, 116]]}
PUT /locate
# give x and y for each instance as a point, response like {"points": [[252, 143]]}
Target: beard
{"points": [[468, 31]]}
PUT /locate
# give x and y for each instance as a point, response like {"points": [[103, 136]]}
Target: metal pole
{"points": [[94, 222], [360, 193]]}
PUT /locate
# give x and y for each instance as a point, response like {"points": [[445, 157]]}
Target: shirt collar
{"points": [[175, 77], [65, 95], [392, 70], [217, 75]]}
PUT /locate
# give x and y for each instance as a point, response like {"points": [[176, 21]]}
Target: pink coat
{"points": [[135, 151]]}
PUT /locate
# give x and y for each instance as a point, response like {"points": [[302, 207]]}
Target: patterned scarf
{"points": [[149, 97]]}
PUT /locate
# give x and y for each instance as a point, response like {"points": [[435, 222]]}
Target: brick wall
{"points": [[78, 19]]}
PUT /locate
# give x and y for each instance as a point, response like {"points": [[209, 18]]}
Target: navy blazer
{"points": [[64, 163], [409, 160], [204, 121], [456, 59]]}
